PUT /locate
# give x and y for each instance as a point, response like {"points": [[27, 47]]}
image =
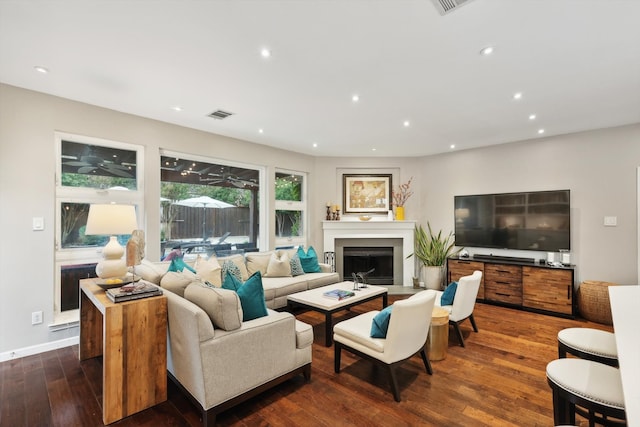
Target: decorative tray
{"points": [[114, 282]]}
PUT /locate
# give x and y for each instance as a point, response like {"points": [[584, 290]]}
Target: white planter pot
{"points": [[433, 277]]}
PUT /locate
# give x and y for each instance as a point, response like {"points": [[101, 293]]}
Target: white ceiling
{"points": [[576, 62]]}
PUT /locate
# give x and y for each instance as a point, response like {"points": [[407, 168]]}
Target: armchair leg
{"points": [[427, 363], [394, 382], [456, 326], [336, 356], [473, 323]]}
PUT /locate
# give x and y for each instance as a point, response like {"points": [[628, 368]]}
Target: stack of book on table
{"points": [[338, 294], [140, 289]]}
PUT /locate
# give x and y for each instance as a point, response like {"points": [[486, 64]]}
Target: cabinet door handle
{"points": [[568, 291], [504, 283], [503, 295]]}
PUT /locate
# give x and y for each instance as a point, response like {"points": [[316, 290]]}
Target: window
{"points": [[89, 170], [208, 206], [291, 208]]}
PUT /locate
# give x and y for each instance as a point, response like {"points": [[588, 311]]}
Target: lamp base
{"points": [[113, 265]]}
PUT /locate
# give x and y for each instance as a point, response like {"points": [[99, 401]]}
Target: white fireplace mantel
{"points": [[333, 230]]}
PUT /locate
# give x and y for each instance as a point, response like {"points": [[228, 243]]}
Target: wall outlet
{"points": [[36, 317]]}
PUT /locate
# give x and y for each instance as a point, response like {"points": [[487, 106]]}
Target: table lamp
{"points": [[111, 220]]}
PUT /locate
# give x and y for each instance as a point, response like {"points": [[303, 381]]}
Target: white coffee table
{"points": [[314, 300]]}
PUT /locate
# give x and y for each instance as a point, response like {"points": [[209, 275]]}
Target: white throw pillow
{"points": [[221, 305], [150, 272], [209, 270], [258, 261], [279, 265], [177, 281]]}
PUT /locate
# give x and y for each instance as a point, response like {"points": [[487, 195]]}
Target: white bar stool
{"points": [[590, 389], [589, 344]]}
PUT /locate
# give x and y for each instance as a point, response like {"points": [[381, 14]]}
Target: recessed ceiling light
{"points": [[40, 69], [265, 53], [406, 123], [373, 149], [177, 108], [260, 130], [517, 95], [315, 145], [452, 146], [355, 98], [532, 116], [486, 51], [540, 131]]}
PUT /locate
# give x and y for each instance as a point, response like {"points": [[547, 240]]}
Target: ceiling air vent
{"points": [[220, 115], [448, 6]]}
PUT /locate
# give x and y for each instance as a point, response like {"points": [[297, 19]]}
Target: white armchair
{"points": [[463, 302], [407, 334]]}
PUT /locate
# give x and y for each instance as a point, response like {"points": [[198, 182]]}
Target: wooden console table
{"points": [[131, 336]]}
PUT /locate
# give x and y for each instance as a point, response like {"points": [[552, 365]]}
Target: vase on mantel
{"points": [[399, 213]]}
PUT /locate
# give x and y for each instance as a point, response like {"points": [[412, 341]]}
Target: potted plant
{"points": [[432, 250]]}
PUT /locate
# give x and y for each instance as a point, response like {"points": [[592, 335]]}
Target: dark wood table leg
{"points": [[385, 300], [328, 330]]}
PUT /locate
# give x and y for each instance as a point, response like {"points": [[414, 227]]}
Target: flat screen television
{"points": [[534, 221]]}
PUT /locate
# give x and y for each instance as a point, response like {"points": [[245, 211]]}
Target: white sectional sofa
{"points": [[215, 356]]}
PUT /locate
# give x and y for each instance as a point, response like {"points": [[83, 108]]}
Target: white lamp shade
{"points": [[111, 220]]}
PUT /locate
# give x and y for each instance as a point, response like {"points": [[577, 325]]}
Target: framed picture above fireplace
{"points": [[366, 193]]}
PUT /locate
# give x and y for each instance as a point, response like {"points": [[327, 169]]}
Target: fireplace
{"points": [[377, 233], [378, 260], [361, 255]]}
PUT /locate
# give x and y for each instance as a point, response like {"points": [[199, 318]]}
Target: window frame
{"points": [[291, 205], [262, 240], [66, 194]]}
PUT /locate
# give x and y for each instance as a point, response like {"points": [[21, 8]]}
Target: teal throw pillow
{"points": [[449, 294], [251, 294], [380, 323], [296, 266], [309, 260], [178, 264]]}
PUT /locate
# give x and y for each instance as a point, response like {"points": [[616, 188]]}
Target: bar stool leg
{"points": [[563, 410]]}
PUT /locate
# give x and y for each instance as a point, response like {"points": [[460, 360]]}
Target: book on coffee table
{"points": [[338, 294], [141, 289]]}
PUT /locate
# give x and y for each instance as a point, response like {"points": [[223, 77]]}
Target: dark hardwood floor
{"points": [[498, 379]]}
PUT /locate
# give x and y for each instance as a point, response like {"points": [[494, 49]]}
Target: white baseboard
{"points": [[40, 348]]}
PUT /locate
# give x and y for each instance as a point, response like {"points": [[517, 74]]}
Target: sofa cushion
{"points": [[316, 280], [258, 261], [251, 295], [209, 270], [222, 305], [279, 265], [177, 282], [296, 265], [309, 260], [238, 260], [151, 272], [282, 286]]}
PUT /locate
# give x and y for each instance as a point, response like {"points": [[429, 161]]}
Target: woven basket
{"points": [[593, 301]]}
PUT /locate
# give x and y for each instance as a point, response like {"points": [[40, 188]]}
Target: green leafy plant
{"points": [[433, 249]]}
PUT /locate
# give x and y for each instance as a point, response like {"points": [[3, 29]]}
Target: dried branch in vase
{"points": [[400, 197]]}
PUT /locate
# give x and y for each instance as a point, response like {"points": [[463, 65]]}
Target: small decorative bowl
{"points": [[364, 217]]}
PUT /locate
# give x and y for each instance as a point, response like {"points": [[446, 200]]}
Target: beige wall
{"points": [[599, 167], [28, 121]]}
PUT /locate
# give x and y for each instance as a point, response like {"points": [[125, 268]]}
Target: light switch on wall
{"points": [[610, 221], [38, 223]]}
